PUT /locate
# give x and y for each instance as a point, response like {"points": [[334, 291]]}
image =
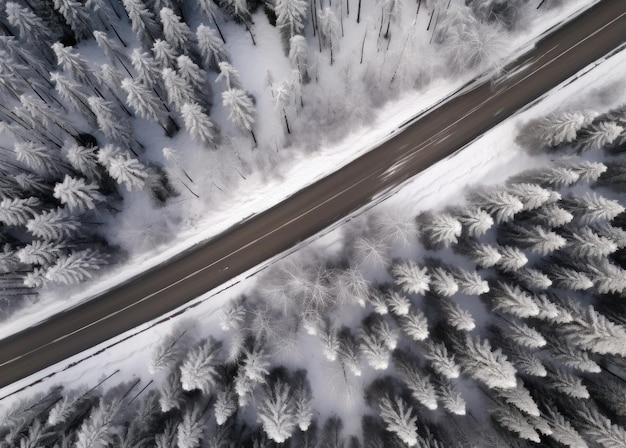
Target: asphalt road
{"points": [[421, 143]]}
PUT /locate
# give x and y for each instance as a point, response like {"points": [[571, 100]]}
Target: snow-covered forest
{"points": [[119, 117], [494, 322]]}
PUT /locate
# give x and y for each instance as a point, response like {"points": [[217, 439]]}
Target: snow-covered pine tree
{"points": [[210, 46], [521, 334], [592, 208], [190, 428], [555, 177], [450, 398], [290, 17], [532, 196], [225, 404], [76, 16], [328, 27], [233, 314], [39, 158], [146, 68], [179, 91], [469, 282], [599, 135], [255, 362], [74, 65], [298, 57], [199, 369], [583, 242], [562, 127], [53, 225], [176, 32], [72, 94], [592, 331], [511, 258], [439, 230], [329, 340], [167, 353], [511, 299], [442, 282], [143, 100], [551, 215], [441, 362], [564, 277], [520, 398], [84, 160], [536, 238], [17, 211], [348, 353], [240, 109], [415, 379], [398, 303], [571, 357], [164, 54], [568, 384], [276, 411], [76, 267], [198, 124], [588, 171], [374, 348], [229, 75], [513, 420], [31, 27], [77, 194], [525, 361], [399, 418], [40, 252], [142, 20], [124, 169], [455, 316], [600, 429], [562, 430], [302, 398], [111, 49], [97, 429], [532, 279], [488, 366], [194, 75], [369, 252], [496, 201], [608, 278], [350, 286], [474, 221], [410, 277], [171, 394], [482, 255], [414, 324], [112, 125]]}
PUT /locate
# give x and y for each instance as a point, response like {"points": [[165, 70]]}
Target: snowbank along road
{"points": [[421, 143]]}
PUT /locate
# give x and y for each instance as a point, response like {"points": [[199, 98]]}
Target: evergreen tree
{"points": [[374, 348], [255, 363], [511, 299], [146, 68], [113, 51], [442, 282], [75, 268], [469, 282], [229, 75], [567, 278], [591, 208], [164, 54], [587, 170], [532, 279], [415, 325], [511, 259], [488, 366], [125, 170], [526, 362], [77, 194], [398, 303], [599, 135], [585, 243], [30, 26], [399, 418], [568, 384], [522, 335], [302, 398], [179, 91], [549, 177], [328, 27], [474, 221], [112, 125], [167, 352], [592, 331], [552, 216], [415, 380], [482, 254], [40, 252], [533, 196], [72, 94], [74, 65], [439, 230], [97, 429], [277, 411], [39, 158], [562, 127], [210, 46], [600, 429], [290, 16], [535, 238], [349, 354], [176, 32], [450, 398], [455, 316], [441, 362], [331, 434], [369, 252], [571, 357], [143, 99], [76, 16], [198, 370], [350, 286], [17, 211], [190, 429], [298, 57], [84, 160], [141, 19], [500, 204], [198, 124], [513, 420], [240, 108], [170, 392], [410, 277], [562, 430], [53, 225], [520, 398], [225, 404]]}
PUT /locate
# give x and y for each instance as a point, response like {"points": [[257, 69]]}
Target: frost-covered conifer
{"points": [[329, 340], [111, 49], [475, 221], [61, 411], [17, 211], [442, 282], [302, 398], [488, 366], [511, 259], [415, 380], [348, 353], [179, 91], [233, 314], [520, 398], [164, 54], [84, 160], [76, 16], [126, 170], [410, 277], [328, 27], [30, 26], [399, 419], [398, 303], [591, 208], [40, 252], [210, 46], [77, 194], [74, 64], [511, 299], [482, 254], [522, 335], [97, 429], [415, 325], [225, 404], [450, 398], [374, 348], [378, 327], [53, 224], [455, 316], [608, 278], [532, 279], [568, 384], [441, 362], [615, 234], [75, 267], [532, 196], [198, 124], [72, 94], [378, 301], [500, 204], [587, 170], [147, 69], [167, 352], [600, 135], [194, 75], [592, 331], [166, 438], [585, 243], [229, 75], [562, 127], [176, 32], [551, 215], [549, 177], [298, 56], [143, 100], [526, 362], [469, 282], [567, 278], [190, 429], [240, 108], [112, 125], [571, 357], [39, 158], [277, 411], [513, 420], [198, 370], [439, 230], [600, 429], [370, 252], [170, 392], [535, 238], [350, 286], [562, 430], [255, 363], [290, 16], [141, 19]]}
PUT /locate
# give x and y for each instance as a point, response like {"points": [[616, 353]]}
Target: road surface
{"points": [[421, 143]]}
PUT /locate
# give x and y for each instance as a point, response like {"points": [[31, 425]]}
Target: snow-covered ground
{"points": [[489, 159], [258, 192]]}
